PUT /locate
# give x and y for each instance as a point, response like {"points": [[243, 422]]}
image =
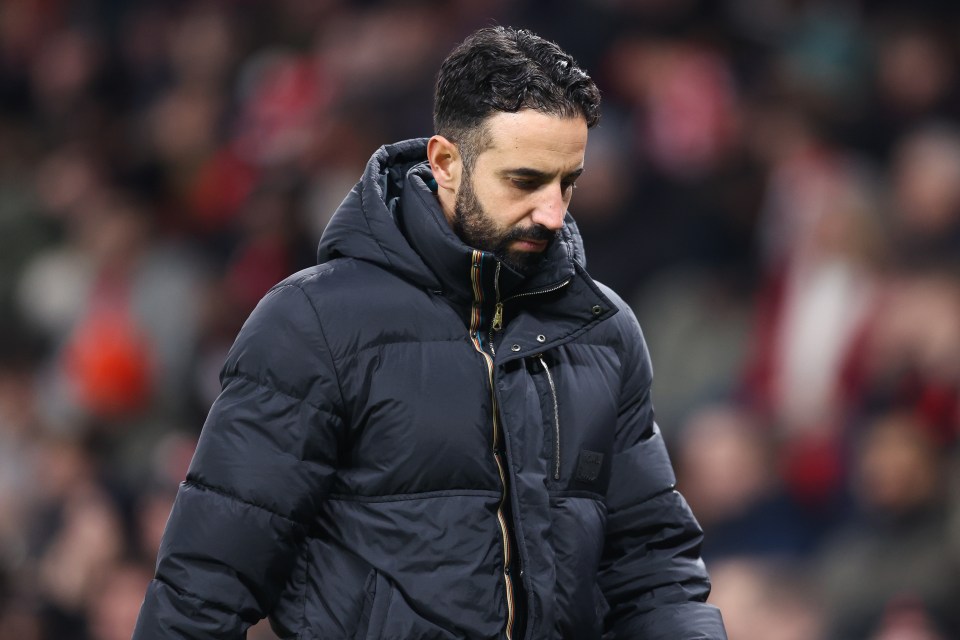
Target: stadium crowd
{"points": [[774, 186]]}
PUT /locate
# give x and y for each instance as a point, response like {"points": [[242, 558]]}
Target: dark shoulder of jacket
{"points": [[628, 330], [322, 283], [625, 320], [281, 342]]}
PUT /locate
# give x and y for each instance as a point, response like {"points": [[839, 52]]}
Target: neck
{"points": [[447, 200]]}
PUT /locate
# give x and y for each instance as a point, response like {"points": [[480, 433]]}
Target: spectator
{"points": [[894, 565]]}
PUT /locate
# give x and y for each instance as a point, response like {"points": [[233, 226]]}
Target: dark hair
{"points": [[506, 69]]}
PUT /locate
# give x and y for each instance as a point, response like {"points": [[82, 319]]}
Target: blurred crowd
{"points": [[774, 187]]}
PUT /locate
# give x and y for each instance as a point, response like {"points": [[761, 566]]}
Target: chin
{"points": [[522, 261]]}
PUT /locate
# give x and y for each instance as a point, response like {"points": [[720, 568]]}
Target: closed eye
{"points": [[525, 185], [526, 179]]}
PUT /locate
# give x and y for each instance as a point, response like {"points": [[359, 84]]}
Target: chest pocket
{"points": [[578, 390]]}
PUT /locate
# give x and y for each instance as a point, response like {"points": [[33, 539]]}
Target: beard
{"points": [[477, 229]]}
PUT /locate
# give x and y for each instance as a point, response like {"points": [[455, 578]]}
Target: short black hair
{"points": [[506, 69]]}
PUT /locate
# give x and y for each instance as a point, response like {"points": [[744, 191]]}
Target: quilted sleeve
{"points": [[651, 573], [262, 465]]}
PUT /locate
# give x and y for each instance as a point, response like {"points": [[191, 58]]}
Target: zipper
{"points": [[556, 419], [497, 324], [475, 338], [550, 289]]}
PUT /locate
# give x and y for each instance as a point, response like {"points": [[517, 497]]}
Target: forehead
{"points": [[534, 140]]}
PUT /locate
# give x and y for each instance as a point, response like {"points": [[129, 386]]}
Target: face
{"points": [[513, 201]]}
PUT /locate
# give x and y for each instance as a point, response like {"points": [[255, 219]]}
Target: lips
{"points": [[529, 244], [532, 239]]}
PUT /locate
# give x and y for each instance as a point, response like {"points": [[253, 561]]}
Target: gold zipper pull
{"points": [[498, 317]]}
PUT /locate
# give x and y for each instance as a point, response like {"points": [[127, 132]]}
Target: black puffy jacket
{"points": [[415, 443]]}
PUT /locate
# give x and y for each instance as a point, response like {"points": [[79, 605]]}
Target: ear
{"points": [[446, 163]]}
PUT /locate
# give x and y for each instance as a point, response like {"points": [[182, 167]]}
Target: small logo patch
{"points": [[589, 465]]}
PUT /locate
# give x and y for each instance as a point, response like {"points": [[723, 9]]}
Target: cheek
{"points": [[514, 213], [504, 205]]}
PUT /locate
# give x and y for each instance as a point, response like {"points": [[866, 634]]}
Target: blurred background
{"points": [[774, 186]]}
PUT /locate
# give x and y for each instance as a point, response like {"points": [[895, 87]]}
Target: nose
{"points": [[550, 209]]}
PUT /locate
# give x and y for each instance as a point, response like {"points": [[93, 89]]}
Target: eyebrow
{"points": [[535, 174]]}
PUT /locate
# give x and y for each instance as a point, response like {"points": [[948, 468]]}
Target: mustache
{"points": [[536, 233]]}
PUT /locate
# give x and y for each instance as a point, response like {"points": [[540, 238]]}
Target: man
{"points": [[444, 429]]}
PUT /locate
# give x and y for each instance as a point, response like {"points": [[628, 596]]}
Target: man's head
{"points": [[511, 115]]}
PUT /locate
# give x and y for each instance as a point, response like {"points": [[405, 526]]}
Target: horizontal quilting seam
{"points": [[203, 486], [568, 493], [192, 596], [425, 495], [663, 494], [269, 387], [412, 341]]}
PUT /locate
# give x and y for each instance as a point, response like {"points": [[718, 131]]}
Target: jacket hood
{"points": [[392, 218]]}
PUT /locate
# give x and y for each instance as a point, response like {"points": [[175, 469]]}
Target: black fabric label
{"points": [[589, 465]]}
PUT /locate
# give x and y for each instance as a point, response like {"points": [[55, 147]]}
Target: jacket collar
{"points": [[392, 218], [429, 233]]}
